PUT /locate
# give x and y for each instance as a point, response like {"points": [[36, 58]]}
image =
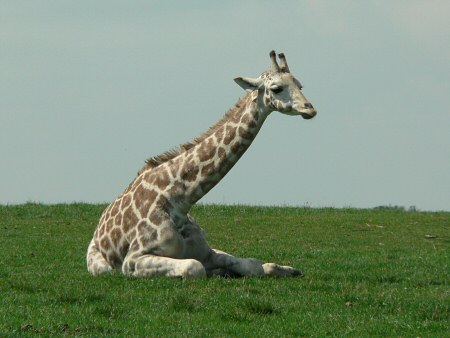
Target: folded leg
{"points": [[150, 265], [224, 264]]}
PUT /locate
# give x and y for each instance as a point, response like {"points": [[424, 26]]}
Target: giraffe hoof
{"points": [[275, 270]]}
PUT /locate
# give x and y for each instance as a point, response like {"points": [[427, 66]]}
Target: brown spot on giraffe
{"points": [[236, 116], [230, 134], [161, 211], [118, 219], [175, 166], [101, 230], [116, 208], [252, 124], [190, 172], [245, 119], [157, 217], [143, 226], [148, 176], [163, 203], [109, 225], [161, 179], [219, 134], [126, 201], [245, 134], [116, 235], [207, 150], [139, 193], [208, 169], [143, 199], [105, 244], [222, 153], [130, 220], [177, 189]]}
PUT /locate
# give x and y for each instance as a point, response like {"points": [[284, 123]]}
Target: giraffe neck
{"points": [[200, 168]]}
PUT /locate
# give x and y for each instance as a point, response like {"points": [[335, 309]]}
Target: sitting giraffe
{"points": [[147, 230]]}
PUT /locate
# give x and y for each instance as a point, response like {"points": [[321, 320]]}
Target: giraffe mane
{"points": [[155, 161]]}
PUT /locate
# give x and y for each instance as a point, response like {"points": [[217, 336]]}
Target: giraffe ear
{"points": [[247, 83]]}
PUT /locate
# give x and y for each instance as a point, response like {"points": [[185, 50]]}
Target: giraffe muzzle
{"points": [[309, 114]]}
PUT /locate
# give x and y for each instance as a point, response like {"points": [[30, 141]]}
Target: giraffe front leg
{"points": [[151, 265]]}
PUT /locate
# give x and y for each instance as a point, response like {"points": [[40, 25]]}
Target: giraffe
{"points": [[147, 231]]}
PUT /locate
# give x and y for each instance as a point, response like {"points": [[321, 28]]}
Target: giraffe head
{"points": [[277, 89]]}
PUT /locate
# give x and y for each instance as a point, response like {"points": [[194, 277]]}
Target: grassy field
{"points": [[367, 273]]}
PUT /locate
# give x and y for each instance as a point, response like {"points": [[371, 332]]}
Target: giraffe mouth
{"points": [[308, 114]]}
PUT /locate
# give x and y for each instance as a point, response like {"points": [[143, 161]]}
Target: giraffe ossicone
{"points": [[147, 231]]}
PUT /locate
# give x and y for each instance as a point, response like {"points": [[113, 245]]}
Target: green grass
{"points": [[367, 273]]}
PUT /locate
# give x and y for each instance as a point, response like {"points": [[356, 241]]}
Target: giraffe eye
{"points": [[276, 89]]}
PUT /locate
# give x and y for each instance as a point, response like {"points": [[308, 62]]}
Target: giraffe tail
{"points": [[96, 263]]}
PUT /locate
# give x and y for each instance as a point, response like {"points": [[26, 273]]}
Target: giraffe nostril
{"points": [[308, 105]]}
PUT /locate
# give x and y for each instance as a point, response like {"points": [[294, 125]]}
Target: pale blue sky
{"points": [[90, 89]]}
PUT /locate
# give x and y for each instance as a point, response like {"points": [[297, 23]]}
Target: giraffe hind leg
{"points": [[220, 263], [96, 263], [223, 264]]}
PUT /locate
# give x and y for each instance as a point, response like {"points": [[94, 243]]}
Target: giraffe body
{"points": [[147, 230]]}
